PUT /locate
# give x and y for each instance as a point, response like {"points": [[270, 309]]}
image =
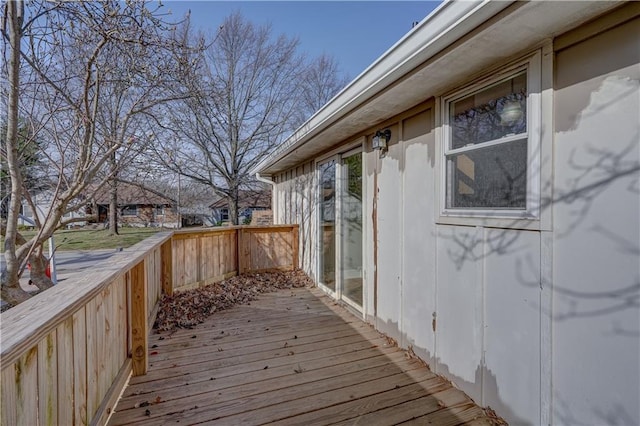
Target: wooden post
{"points": [[167, 267], [294, 247], [242, 253], [199, 261], [139, 326]]}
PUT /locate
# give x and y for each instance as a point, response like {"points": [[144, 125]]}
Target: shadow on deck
{"points": [[291, 357]]}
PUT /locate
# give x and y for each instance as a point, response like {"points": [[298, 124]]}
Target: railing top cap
{"points": [[24, 325], [33, 319]]}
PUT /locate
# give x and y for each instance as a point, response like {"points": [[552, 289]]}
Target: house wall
{"points": [[596, 238], [294, 201], [146, 217], [43, 204], [541, 324], [459, 296]]}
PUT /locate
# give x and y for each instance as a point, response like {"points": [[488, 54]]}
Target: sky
{"points": [[356, 33]]}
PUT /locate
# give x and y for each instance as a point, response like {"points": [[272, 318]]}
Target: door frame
{"points": [[319, 234], [340, 179], [337, 156]]}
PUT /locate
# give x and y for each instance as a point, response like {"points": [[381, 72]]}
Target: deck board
{"points": [[290, 357]]}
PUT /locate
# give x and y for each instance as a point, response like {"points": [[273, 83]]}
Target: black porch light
{"points": [[381, 139]]}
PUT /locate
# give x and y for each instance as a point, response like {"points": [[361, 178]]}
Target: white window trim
{"points": [[528, 218]]}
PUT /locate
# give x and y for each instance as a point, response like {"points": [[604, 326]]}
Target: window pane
{"points": [[327, 224], [351, 228], [130, 210], [327, 190], [492, 113], [494, 177]]}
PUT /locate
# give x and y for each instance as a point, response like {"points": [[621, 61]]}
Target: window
{"points": [[159, 210], [224, 215], [489, 146], [130, 210]]}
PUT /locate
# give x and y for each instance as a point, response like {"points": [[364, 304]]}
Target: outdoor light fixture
{"points": [[381, 138]]}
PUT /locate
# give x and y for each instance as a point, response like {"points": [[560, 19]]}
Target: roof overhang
{"points": [[457, 40]]}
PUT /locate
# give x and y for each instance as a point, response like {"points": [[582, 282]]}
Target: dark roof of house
{"points": [[246, 199], [132, 194]]}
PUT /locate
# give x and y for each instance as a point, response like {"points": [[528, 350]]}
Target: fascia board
{"points": [[447, 23]]}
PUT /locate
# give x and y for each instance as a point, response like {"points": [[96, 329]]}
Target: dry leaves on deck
{"points": [[189, 308]]}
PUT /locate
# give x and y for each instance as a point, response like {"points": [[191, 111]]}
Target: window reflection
{"points": [[495, 175], [327, 224], [495, 112]]}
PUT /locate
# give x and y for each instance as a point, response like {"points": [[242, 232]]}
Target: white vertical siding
{"points": [[419, 244], [460, 312], [370, 174], [488, 317], [511, 347], [389, 262], [295, 193], [596, 245]]}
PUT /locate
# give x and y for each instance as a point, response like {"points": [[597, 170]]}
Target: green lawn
{"points": [[93, 239]]}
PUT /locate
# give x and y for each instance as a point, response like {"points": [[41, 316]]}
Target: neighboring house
{"points": [[497, 234], [248, 202], [195, 215], [42, 201], [137, 206]]}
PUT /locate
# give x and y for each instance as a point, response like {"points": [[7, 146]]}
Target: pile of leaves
{"points": [[192, 307]]}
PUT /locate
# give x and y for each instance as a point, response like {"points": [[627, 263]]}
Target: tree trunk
{"points": [[9, 278], [37, 274], [38, 265], [113, 208], [233, 205], [113, 198]]}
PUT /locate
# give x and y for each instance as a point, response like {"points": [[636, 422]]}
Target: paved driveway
{"points": [[68, 263]]}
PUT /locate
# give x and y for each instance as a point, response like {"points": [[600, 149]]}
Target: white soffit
{"points": [[437, 54]]}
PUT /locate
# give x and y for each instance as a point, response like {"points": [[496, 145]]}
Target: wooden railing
{"points": [[67, 353]]}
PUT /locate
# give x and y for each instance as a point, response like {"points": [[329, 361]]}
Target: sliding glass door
{"points": [[340, 233], [351, 229], [327, 255]]}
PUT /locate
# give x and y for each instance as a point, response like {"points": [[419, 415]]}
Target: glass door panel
{"points": [[351, 229], [327, 258]]}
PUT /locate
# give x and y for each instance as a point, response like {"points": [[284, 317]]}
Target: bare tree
{"points": [[253, 88], [14, 17], [244, 102], [77, 56], [146, 78], [320, 81]]}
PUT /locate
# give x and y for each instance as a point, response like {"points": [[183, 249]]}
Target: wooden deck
{"points": [[291, 357]]}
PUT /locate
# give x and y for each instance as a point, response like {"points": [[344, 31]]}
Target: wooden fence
{"points": [[67, 353]]}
